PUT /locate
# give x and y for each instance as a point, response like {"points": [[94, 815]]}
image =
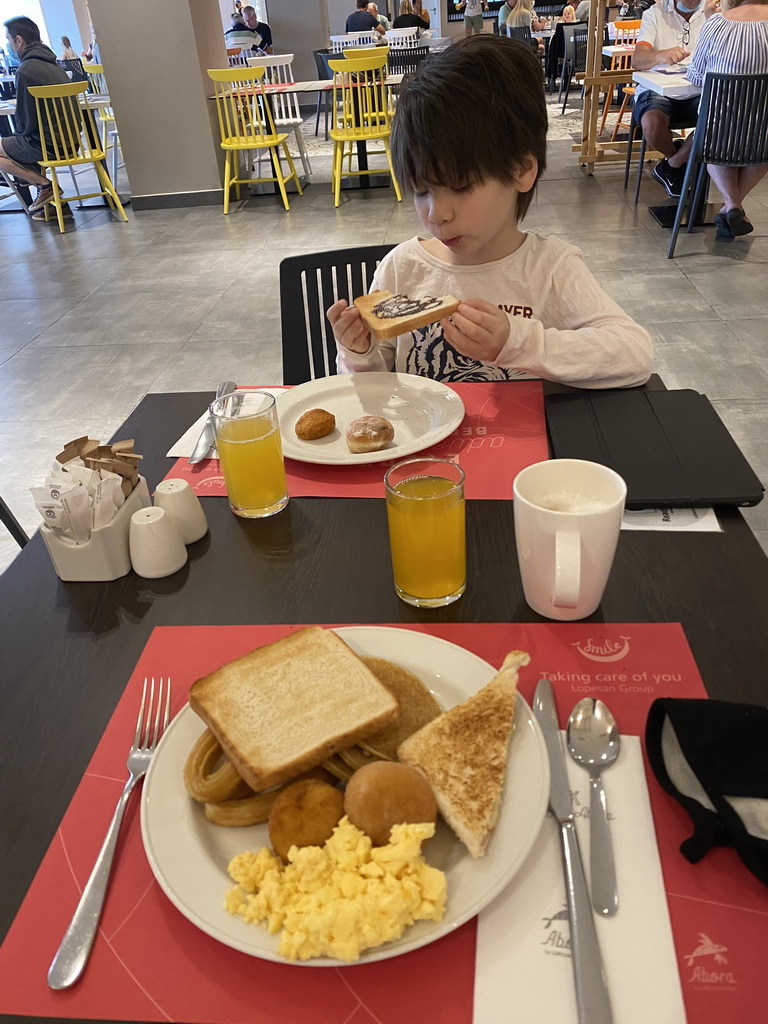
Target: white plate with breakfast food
{"points": [[189, 855], [421, 412]]}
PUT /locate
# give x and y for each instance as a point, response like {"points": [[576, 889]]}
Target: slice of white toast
{"points": [[463, 753], [289, 705]]}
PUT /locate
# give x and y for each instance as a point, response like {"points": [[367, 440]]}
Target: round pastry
{"points": [[314, 424], [369, 434], [304, 814], [387, 793]]}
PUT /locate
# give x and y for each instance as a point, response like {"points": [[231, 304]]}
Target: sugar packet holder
{"points": [[106, 555]]}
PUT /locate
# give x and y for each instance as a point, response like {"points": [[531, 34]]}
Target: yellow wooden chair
{"points": [[359, 52], [245, 123], [363, 113], [68, 137]]}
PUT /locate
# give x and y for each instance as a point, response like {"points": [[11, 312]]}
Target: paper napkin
{"points": [[184, 447], [523, 963]]}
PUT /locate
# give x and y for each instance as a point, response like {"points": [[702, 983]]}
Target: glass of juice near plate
{"points": [[250, 452], [427, 534]]}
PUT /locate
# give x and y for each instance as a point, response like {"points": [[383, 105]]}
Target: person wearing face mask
{"points": [[668, 35], [21, 152]]}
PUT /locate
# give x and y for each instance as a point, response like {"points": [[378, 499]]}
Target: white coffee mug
{"points": [[183, 508], [567, 520], [156, 547]]}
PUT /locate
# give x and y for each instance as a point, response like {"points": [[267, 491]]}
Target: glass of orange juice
{"points": [[425, 511], [250, 452]]}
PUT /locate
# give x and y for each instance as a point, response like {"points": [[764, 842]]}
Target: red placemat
{"points": [[149, 963], [502, 432]]}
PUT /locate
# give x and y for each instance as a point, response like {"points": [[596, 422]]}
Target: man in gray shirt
{"points": [[384, 22], [21, 152]]}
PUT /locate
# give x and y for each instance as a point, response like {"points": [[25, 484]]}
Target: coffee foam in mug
{"points": [[567, 501]]}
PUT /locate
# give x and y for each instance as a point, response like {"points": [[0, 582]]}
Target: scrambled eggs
{"points": [[342, 898]]}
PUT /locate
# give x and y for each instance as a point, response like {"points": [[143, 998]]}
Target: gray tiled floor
{"points": [[176, 300]]}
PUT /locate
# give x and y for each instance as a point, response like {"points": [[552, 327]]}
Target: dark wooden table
{"points": [[68, 649]]}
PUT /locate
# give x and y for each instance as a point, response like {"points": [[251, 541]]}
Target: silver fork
{"points": [[72, 955]]}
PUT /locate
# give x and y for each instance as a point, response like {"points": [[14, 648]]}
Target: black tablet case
{"points": [[671, 447]]}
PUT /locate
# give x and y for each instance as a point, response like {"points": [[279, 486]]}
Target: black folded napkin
{"points": [[712, 756]]}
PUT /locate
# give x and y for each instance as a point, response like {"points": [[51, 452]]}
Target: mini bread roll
{"points": [[369, 434], [314, 424], [387, 793]]}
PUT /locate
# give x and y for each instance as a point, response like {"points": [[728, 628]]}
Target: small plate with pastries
{"points": [[360, 418]]}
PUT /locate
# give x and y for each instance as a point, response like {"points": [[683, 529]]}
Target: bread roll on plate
{"points": [[388, 315], [369, 434]]}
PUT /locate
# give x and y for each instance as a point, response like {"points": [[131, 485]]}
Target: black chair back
{"points": [[575, 37], [731, 130], [322, 57], [75, 66], [521, 32], [400, 62], [309, 284], [732, 127]]}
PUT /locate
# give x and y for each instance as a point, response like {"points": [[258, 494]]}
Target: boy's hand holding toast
{"points": [[477, 329], [348, 326]]}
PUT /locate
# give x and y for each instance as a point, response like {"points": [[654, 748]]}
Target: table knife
{"points": [[207, 437], [588, 974]]}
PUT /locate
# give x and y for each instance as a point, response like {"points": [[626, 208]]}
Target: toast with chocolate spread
{"points": [[388, 315]]}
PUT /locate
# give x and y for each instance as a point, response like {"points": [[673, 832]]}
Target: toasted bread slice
{"points": [[463, 753], [285, 707], [417, 707], [419, 312]]}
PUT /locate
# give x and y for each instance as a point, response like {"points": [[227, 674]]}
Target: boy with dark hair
{"points": [[21, 152], [530, 307]]}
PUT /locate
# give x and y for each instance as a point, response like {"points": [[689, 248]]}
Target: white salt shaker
{"points": [[156, 547], [183, 508]]}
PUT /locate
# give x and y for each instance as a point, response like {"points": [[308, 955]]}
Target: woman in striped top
{"points": [[734, 42]]}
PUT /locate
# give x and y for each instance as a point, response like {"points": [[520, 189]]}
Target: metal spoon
{"points": [[592, 737]]}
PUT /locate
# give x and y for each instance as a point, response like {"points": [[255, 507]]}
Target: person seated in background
{"points": [[261, 29], [21, 153], [418, 10], [523, 16], [568, 16], [504, 12], [582, 11], [529, 307], [67, 53], [408, 18], [668, 34], [361, 20], [384, 22], [239, 36], [734, 42]]}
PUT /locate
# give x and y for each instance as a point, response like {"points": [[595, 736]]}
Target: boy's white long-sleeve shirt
{"points": [[562, 325]]}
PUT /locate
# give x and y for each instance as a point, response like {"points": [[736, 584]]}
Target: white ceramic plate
{"points": [[189, 856], [422, 411]]}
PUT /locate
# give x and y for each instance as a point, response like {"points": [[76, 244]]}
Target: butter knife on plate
{"points": [[592, 1000], [207, 438]]}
